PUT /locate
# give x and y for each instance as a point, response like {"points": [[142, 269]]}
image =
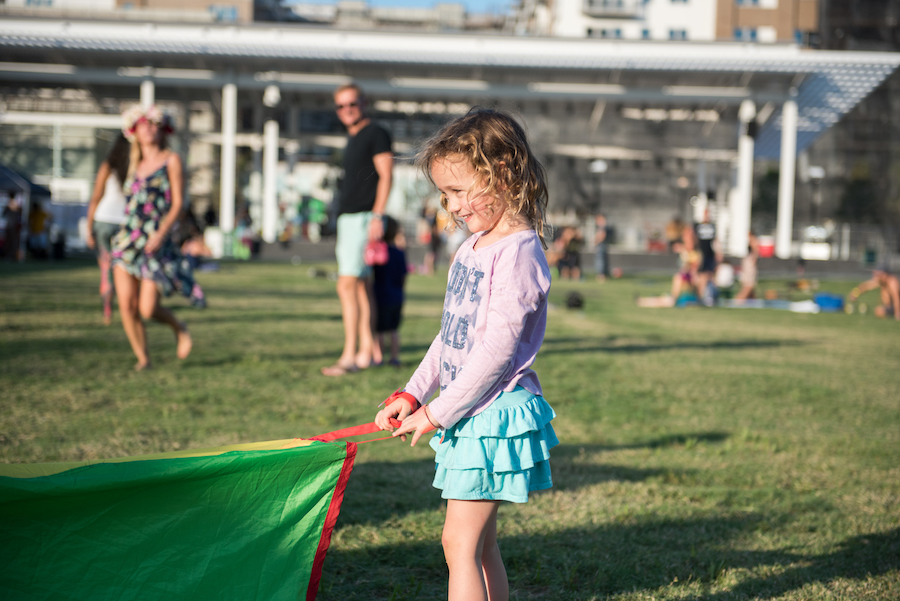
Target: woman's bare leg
{"points": [[745, 293], [470, 530], [151, 309], [128, 290]]}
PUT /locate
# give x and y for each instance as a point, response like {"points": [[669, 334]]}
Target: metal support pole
{"points": [[270, 193], [228, 154], [740, 207], [148, 92], [57, 168], [845, 242], [785, 223]]}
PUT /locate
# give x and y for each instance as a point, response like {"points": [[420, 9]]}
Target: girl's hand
{"points": [[153, 243], [398, 409], [90, 239], [421, 422], [398, 405]]}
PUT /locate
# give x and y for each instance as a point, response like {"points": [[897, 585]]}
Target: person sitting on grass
{"points": [[889, 285], [684, 283]]}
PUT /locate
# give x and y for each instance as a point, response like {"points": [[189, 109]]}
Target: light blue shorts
{"points": [[352, 236], [103, 233], [501, 454]]}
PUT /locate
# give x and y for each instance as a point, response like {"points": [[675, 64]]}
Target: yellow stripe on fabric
{"points": [[36, 470]]}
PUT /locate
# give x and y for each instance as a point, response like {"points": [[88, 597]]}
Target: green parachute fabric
{"points": [[244, 522]]}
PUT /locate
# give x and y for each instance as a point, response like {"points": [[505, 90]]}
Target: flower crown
{"points": [[152, 113]]}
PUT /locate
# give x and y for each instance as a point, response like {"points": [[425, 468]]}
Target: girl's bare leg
{"points": [[103, 260], [128, 290], [492, 565], [151, 309], [473, 557]]}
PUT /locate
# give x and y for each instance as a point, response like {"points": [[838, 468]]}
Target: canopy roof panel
{"points": [[825, 84]]}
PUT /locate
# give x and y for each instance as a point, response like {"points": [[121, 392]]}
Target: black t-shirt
{"points": [[706, 234], [360, 177]]}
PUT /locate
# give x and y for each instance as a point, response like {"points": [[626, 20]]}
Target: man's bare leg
{"points": [[349, 298], [366, 340]]}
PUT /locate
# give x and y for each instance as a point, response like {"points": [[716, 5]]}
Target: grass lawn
{"points": [[706, 454]]}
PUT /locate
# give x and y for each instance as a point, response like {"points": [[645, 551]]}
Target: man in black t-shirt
{"points": [[368, 166]]}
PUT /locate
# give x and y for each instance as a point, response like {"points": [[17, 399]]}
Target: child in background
{"points": [[106, 214], [388, 288], [494, 424]]}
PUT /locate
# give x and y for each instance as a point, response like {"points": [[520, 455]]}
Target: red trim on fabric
{"points": [[369, 428], [334, 509]]}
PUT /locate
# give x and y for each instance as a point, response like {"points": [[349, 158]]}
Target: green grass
{"points": [[705, 454]]}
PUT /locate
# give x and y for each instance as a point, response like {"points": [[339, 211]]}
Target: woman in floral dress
{"points": [[146, 263]]}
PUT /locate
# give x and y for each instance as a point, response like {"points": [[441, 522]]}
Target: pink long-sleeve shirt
{"points": [[495, 315]]}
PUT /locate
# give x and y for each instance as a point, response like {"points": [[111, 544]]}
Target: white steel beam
{"points": [[228, 158], [742, 195], [270, 193], [785, 223]]}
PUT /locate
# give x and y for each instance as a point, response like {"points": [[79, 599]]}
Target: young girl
{"points": [[494, 426], [106, 214], [146, 263]]}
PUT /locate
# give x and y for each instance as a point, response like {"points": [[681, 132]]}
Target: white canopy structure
{"points": [[780, 97]]}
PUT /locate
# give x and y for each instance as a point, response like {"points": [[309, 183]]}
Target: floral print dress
{"points": [[149, 199]]}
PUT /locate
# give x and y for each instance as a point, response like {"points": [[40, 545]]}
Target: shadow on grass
{"points": [[553, 346], [8, 269], [234, 316], [296, 294], [373, 495], [670, 440], [590, 563], [857, 558]]}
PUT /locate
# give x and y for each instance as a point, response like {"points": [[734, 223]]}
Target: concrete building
{"points": [[221, 11], [763, 21], [358, 14]]}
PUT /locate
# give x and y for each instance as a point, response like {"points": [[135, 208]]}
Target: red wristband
{"points": [[402, 394]]}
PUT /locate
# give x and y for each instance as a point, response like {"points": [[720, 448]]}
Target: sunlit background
{"points": [[777, 115]]}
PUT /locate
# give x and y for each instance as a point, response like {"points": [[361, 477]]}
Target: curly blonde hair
{"points": [[494, 145]]}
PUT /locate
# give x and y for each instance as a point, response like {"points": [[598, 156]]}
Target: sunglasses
{"points": [[339, 107]]}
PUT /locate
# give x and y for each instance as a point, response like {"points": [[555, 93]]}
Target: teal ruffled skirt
{"points": [[500, 454]]}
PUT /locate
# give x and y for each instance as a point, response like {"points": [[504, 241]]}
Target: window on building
{"points": [[678, 34], [745, 34], [645, 34], [224, 13]]}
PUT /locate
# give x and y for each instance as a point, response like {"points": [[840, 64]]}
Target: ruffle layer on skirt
{"points": [[500, 454]]}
